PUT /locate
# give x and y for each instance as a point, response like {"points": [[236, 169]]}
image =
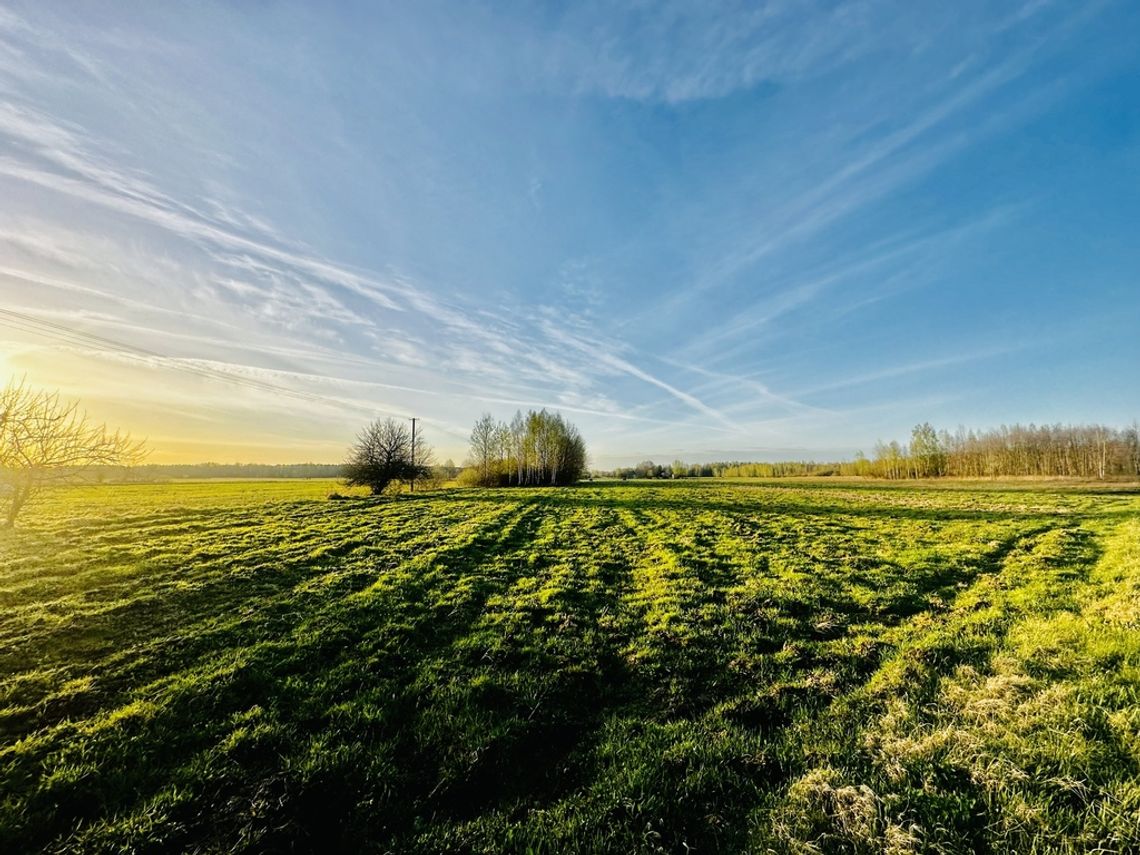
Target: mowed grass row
{"points": [[650, 667]]}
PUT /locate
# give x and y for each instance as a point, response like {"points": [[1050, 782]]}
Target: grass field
{"points": [[708, 667]]}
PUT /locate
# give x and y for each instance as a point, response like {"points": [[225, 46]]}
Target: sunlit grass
{"points": [[795, 667]]}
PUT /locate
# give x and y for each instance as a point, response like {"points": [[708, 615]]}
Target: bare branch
{"points": [[44, 438]]}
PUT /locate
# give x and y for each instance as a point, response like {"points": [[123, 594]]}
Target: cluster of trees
{"points": [[44, 439], [1072, 451], [538, 448]]}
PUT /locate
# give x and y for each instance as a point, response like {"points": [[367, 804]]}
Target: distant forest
{"points": [[547, 444], [1062, 451], [163, 472]]}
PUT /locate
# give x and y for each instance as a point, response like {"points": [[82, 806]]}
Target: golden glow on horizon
{"points": [[184, 418]]}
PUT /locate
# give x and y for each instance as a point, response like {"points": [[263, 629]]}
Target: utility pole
{"points": [[413, 455]]}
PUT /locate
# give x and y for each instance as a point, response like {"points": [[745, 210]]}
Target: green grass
{"points": [[709, 667]]}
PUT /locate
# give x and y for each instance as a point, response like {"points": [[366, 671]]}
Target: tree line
{"points": [[722, 469], [165, 471], [649, 469], [45, 439], [534, 449], [1072, 451], [1090, 451]]}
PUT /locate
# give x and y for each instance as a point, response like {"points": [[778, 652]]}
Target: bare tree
{"points": [[44, 438], [383, 454], [484, 447]]}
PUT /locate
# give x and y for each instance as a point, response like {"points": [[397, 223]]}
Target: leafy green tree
{"points": [[927, 452], [538, 448]]}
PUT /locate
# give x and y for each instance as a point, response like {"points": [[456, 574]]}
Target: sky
{"points": [[699, 230]]}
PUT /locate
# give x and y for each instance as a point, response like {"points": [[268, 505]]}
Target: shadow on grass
{"points": [[777, 499]]}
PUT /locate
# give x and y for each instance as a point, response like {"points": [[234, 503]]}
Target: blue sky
{"points": [[701, 230]]}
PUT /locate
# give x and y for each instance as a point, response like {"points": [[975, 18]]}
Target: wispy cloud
{"points": [[606, 355], [664, 219], [879, 262], [919, 367], [871, 169], [677, 52]]}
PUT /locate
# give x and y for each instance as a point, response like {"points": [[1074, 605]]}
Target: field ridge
{"points": [[648, 667]]}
